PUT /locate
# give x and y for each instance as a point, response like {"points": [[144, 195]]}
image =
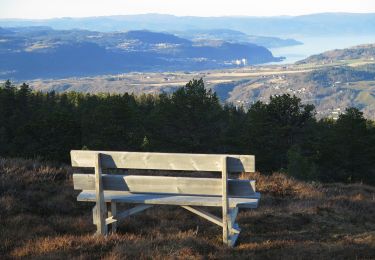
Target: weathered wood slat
{"points": [[163, 199], [164, 184], [163, 161]]}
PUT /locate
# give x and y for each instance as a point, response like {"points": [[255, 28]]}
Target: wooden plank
{"points": [[164, 199], [163, 184], [99, 198], [205, 215], [224, 197], [163, 161]]}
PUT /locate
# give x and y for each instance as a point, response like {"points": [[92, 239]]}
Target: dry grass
{"points": [[40, 218]]}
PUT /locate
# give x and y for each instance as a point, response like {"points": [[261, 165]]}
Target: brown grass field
{"points": [[40, 218]]}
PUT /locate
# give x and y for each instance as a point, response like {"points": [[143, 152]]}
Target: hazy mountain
{"points": [[282, 26], [40, 52]]}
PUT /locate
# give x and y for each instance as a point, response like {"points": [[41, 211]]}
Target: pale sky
{"points": [[41, 9]]}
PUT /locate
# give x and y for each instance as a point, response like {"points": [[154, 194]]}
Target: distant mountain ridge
{"points": [[236, 37], [279, 26], [41, 52]]}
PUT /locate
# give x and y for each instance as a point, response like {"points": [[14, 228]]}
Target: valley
{"points": [[240, 66], [330, 86]]}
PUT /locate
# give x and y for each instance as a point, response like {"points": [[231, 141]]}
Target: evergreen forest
{"points": [[283, 134]]}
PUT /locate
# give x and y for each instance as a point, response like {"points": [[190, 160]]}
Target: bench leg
{"points": [[233, 229], [94, 215], [101, 207], [225, 230], [101, 227], [112, 212], [230, 227]]}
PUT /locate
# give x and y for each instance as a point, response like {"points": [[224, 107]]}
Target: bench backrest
{"points": [[164, 161], [164, 184]]}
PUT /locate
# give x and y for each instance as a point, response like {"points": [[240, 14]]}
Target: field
{"points": [[156, 82], [40, 218]]}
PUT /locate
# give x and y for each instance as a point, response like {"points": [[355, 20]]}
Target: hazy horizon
{"points": [[42, 9], [196, 16]]}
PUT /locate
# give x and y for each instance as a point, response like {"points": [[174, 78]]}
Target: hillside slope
{"points": [[365, 52], [331, 87], [40, 218]]}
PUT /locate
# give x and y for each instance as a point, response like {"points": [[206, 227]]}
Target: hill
{"points": [[41, 52], [365, 52], [40, 218], [282, 26], [331, 89]]}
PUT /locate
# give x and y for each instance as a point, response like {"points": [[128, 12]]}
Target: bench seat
{"points": [[170, 199]]}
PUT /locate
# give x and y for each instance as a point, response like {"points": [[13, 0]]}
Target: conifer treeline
{"points": [[283, 134]]}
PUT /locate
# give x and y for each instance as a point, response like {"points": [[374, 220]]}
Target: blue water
{"points": [[316, 45]]}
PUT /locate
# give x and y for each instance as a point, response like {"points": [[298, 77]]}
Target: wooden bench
{"points": [[107, 190]]}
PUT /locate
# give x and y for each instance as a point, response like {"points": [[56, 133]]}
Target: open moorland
{"points": [[40, 219]]}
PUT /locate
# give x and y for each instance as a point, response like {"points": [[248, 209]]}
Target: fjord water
{"points": [[316, 45]]}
